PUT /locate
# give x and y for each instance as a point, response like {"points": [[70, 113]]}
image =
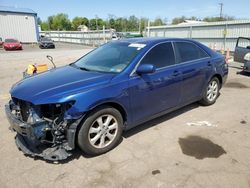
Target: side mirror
{"points": [[145, 69], [248, 47], [247, 57]]}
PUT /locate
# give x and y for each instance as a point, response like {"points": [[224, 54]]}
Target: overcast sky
{"points": [[141, 8]]}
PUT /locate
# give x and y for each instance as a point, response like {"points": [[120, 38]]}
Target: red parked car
{"points": [[12, 44]]}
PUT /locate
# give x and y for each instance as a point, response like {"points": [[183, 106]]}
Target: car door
{"points": [[241, 49], [153, 93], [195, 68]]}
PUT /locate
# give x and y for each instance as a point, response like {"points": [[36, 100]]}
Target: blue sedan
{"points": [[115, 87]]}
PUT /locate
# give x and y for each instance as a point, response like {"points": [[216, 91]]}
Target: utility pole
{"points": [[140, 25], [96, 17], [148, 28], [221, 8]]}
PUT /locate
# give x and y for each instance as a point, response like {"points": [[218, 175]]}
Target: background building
{"points": [[18, 23]]}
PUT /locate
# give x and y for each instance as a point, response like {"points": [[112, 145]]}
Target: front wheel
{"points": [[101, 131], [211, 93]]}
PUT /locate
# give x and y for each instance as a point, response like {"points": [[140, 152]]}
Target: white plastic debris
{"points": [[201, 123]]}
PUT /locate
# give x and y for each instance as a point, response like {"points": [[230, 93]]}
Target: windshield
{"points": [[11, 40], [112, 57]]}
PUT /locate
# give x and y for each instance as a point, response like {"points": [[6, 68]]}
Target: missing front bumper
{"points": [[33, 149], [28, 143]]}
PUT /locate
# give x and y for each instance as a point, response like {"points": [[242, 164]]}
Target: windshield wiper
{"points": [[83, 68]]}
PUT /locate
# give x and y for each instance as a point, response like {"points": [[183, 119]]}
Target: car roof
{"points": [[154, 40]]}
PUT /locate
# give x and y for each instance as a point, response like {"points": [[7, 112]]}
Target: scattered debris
{"points": [[243, 122], [234, 161], [154, 172], [200, 148], [201, 123]]}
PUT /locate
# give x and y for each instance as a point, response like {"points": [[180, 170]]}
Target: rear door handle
{"points": [[176, 73]]}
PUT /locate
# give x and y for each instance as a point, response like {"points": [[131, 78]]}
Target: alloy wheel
{"points": [[212, 91], [103, 131]]}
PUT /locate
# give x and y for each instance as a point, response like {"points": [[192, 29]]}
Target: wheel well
{"points": [[219, 78], [117, 107]]}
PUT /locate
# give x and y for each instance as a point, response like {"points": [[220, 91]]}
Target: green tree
{"points": [[79, 21], [216, 19], [112, 23], [100, 23], [61, 22], [144, 24], [181, 19], [133, 23], [92, 24], [44, 26], [158, 22]]}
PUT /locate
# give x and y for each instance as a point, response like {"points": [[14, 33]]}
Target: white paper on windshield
{"points": [[137, 45]]}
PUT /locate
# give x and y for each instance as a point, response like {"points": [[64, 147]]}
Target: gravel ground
{"points": [[192, 147]]}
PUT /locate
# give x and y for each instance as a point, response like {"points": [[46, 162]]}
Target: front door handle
{"points": [[209, 64]]}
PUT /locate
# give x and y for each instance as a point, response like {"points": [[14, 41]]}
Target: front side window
{"points": [[188, 51], [111, 58], [160, 56]]}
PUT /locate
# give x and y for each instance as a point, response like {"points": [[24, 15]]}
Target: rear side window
{"points": [[187, 51], [160, 56]]}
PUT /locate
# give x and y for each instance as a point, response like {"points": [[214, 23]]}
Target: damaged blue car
{"points": [[121, 84]]}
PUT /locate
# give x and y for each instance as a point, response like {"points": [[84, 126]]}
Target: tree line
{"points": [[62, 22]]}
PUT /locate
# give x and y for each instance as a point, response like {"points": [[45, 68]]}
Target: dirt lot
{"points": [[193, 147]]}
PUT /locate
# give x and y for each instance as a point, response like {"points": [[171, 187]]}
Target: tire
{"points": [[211, 93], [104, 136]]}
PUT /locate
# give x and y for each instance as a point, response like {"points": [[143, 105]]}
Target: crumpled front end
{"points": [[47, 130]]}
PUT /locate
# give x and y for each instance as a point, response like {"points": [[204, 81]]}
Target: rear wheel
{"points": [[101, 131], [211, 93]]}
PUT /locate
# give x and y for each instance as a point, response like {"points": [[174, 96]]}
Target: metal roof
{"points": [[17, 10], [233, 22]]}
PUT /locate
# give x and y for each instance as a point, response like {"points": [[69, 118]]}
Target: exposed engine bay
{"points": [[43, 130]]}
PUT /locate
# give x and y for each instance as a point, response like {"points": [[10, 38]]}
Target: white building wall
{"points": [[18, 25], [222, 34]]}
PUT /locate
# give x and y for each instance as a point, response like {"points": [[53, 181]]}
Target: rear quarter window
{"points": [[187, 51]]}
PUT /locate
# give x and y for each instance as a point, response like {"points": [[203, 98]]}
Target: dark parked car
{"points": [[12, 44], [117, 86], [1, 42], [46, 43], [242, 52]]}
